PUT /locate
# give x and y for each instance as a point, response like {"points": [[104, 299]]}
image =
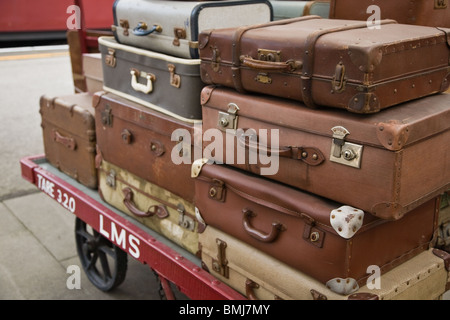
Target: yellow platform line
{"points": [[33, 56]]}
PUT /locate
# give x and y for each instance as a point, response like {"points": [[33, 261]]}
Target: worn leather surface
{"points": [[68, 128], [302, 215], [408, 140]]}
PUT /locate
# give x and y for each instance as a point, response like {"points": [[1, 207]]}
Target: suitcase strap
{"points": [[236, 45], [306, 65]]}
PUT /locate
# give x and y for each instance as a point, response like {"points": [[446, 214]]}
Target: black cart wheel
{"points": [[104, 263]]}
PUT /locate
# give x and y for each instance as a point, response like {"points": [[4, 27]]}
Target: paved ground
{"points": [[36, 234]]}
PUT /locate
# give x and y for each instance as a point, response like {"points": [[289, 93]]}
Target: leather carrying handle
{"points": [[259, 235], [68, 142], [249, 286], [141, 29], [140, 87], [309, 155], [159, 210], [274, 66]]}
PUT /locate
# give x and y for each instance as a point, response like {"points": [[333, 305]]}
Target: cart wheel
{"points": [[104, 263]]}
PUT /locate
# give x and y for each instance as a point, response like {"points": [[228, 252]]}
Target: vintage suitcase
{"points": [[259, 276], [92, 71], [385, 163], [330, 242], [151, 205], [435, 13], [291, 9], [149, 144], [172, 27], [158, 81], [326, 62], [68, 128]]}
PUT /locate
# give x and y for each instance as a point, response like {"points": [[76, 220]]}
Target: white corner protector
{"points": [[197, 167], [346, 220], [343, 286], [199, 216]]}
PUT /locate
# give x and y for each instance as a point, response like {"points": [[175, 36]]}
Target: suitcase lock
{"points": [[440, 4], [228, 120], [185, 221], [220, 265], [345, 152]]}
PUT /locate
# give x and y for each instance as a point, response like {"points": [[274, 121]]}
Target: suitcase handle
{"points": [[159, 210], [309, 155], [69, 143], [140, 87], [141, 29], [287, 66], [259, 235]]}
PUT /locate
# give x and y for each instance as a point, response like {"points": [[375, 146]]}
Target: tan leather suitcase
{"points": [[435, 13], [149, 204], [68, 128], [329, 241], [259, 276], [328, 62], [385, 163], [149, 144]]}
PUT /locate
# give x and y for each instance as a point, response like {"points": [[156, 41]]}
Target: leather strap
{"points": [[236, 45]]}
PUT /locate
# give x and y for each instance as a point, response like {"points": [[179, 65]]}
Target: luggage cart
{"points": [[105, 237]]}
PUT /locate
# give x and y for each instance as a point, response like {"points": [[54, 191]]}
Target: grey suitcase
{"points": [[172, 27], [164, 83]]}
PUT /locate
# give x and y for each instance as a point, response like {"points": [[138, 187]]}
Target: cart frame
{"points": [[166, 259]]}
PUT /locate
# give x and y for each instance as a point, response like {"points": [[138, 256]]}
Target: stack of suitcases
{"points": [[297, 157]]}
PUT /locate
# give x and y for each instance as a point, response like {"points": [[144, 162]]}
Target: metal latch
{"points": [[175, 79], [345, 152], [111, 178], [106, 116], [185, 221], [220, 265], [440, 4], [228, 120], [339, 80], [180, 33], [110, 58]]}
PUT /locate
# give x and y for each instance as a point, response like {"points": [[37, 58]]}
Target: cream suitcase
{"points": [[259, 276], [149, 204], [172, 27]]}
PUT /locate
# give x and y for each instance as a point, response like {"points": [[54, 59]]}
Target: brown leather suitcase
{"points": [[329, 63], [68, 128], [385, 163], [435, 13], [328, 241], [145, 142]]}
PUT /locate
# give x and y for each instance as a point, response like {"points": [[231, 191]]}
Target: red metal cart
{"points": [[102, 231]]}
